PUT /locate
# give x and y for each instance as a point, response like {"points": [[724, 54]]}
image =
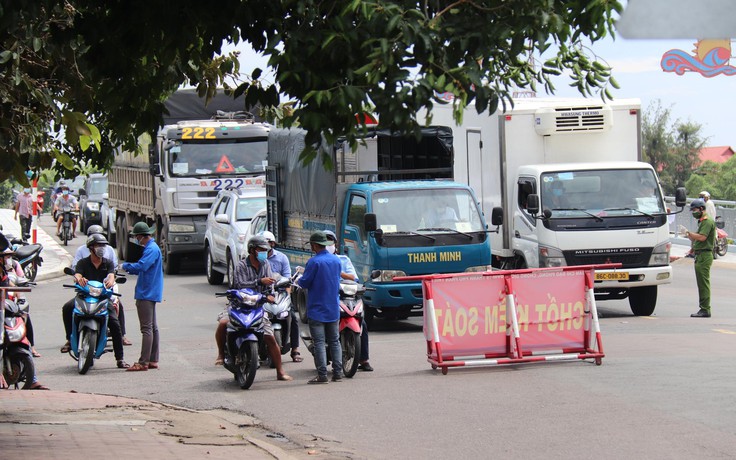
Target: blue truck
{"points": [[391, 204]]}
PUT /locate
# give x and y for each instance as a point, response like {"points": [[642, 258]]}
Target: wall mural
{"points": [[710, 57]]}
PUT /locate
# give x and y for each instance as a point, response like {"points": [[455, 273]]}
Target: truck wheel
{"points": [[642, 300], [213, 276], [123, 232], [171, 261]]}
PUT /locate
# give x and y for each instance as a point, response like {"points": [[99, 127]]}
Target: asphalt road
{"points": [[664, 390]]}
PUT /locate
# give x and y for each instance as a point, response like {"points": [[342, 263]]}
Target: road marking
{"points": [[724, 331]]}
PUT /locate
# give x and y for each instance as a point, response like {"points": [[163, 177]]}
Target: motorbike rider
{"points": [[253, 272], [83, 251], [5, 282], [280, 264], [348, 273], [15, 272], [65, 202], [96, 267]]}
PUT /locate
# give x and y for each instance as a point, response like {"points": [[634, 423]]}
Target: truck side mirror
{"points": [[680, 197], [369, 222], [497, 216], [155, 170], [532, 204], [82, 192]]}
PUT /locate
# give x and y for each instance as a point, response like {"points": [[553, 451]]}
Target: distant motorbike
{"points": [[351, 319], [67, 231], [279, 313], [244, 332], [89, 321], [721, 246], [15, 350], [28, 255]]}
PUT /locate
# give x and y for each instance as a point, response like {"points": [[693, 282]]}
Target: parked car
{"points": [[90, 200], [228, 222]]}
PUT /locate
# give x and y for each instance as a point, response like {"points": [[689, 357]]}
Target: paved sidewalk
{"points": [[55, 257], [59, 425]]}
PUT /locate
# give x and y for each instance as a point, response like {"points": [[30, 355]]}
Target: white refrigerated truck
{"points": [[568, 186]]}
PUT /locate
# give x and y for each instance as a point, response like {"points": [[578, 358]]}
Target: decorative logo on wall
{"points": [[710, 57]]}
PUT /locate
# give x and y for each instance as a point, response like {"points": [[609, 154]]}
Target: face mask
{"points": [[262, 255], [139, 241], [100, 252], [697, 214], [65, 192], [331, 249], [26, 190]]}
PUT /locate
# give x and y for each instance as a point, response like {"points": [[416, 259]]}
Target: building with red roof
{"points": [[715, 154]]}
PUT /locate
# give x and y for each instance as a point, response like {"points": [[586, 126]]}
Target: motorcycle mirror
{"points": [[121, 280], [69, 271]]}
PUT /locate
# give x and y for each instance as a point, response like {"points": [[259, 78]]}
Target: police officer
{"points": [[702, 241]]}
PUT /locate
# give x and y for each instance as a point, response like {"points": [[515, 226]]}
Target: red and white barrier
{"points": [[510, 317]]}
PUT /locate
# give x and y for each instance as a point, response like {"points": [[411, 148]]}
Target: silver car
{"points": [[228, 225]]}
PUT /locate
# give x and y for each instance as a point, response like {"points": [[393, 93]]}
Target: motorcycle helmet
{"points": [[330, 235], [95, 239], [697, 203], [94, 229], [268, 236], [258, 242]]}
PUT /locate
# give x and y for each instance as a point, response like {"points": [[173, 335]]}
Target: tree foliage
{"points": [[68, 66], [671, 147]]}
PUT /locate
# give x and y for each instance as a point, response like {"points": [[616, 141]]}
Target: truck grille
{"points": [[629, 257]]}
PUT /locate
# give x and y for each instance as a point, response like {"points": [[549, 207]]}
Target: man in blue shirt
{"points": [[280, 264], [149, 289], [348, 273], [322, 278]]}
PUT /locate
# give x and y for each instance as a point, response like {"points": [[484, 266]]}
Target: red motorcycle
{"points": [[721, 246]]}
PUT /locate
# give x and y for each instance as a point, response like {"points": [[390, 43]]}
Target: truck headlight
{"points": [[660, 254], [479, 268], [551, 257], [181, 228], [386, 276], [93, 206]]}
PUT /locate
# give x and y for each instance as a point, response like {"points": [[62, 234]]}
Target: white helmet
{"points": [[268, 235], [705, 194]]}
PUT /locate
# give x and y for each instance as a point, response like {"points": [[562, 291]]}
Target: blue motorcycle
{"points": [[244, 331], [89, 321]]}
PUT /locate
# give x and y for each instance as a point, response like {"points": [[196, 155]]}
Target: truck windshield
{"points": [[424, 211], [217, 157], [601, 193]]}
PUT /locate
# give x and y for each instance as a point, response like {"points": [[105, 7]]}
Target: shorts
{"points": [[266, 326]]}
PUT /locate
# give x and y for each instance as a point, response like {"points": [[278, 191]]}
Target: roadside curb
{"points": [[63, 258]]}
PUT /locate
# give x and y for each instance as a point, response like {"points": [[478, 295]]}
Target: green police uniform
{"points": [[704, 259]]}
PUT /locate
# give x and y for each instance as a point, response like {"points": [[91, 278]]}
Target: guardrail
{"points": [[725, 209]]}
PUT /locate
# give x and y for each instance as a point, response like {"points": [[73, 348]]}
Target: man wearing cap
{"points": [[710, 207], [280, 264], [149, 289], [24, 208], [322, 278], [702, 241]]}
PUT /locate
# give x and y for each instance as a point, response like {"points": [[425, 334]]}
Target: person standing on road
{"points": [[149, 290], [280, 264], [24, 208], [702, 241], [348, 273], [322, 278]]}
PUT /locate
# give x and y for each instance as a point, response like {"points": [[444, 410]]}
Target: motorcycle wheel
{"points": [[350, 343], [721, 247], [247, 364], [21, 369], [88, 339], [31, 270], [65, 236]]}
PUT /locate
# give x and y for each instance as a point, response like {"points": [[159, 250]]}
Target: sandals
{"points": [[37, 386], [296, 357], [127, 342], [219, 361], [153, 365], [122, 364], [284, 377], [35, 353], [66, 348], [137, 367]]}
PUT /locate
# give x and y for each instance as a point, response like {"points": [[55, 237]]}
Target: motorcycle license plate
{"points": [[612, 276]]}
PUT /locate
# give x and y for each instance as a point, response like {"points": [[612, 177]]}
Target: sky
{"points": [[691, 97]]}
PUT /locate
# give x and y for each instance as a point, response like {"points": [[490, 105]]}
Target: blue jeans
{"points": [[321, 333]]}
